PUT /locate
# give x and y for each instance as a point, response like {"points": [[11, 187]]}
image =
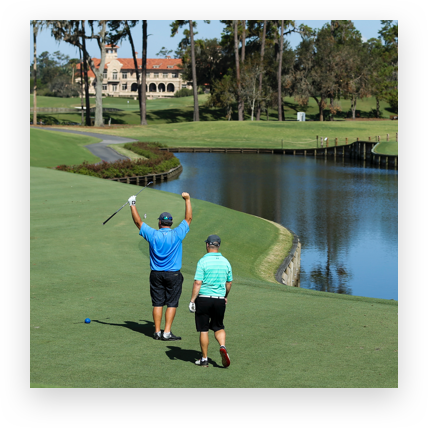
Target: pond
{"points": [[344, 212]]}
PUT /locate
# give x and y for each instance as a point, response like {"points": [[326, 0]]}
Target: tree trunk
{"points": [[85, 72], [262, 53], [81, 88], [35, 75], [243, 42], [143, 77], [353, 106], [134, 56], [238, 74], [281, 45], [320, 104], [99, 74], [195, 84]]}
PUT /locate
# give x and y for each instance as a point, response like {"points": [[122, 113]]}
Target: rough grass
{"points": [[277, 336]]}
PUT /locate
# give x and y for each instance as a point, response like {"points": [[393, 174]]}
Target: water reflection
{"points": [[345, 213]]}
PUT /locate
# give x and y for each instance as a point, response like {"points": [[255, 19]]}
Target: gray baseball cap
{"points": [[213, 240]]}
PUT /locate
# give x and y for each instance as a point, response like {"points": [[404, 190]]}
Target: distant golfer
{"points": [[213, 281], [166, 252]]}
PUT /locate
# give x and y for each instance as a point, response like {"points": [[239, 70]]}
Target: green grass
{"points": [[277, 336], [49, 148], [387, 148], [255, 134], [177, 110]]}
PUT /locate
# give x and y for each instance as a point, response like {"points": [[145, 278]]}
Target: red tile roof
{"points": [[128, 64]]}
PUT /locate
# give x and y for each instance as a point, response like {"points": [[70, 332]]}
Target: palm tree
{"points": [[174, 30]]}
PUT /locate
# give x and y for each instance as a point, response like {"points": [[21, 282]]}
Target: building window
{"points": [[114, 75], [156, 66], [124, 86], [104, 87], [170, 66], [105, 74], [155, 75], [175, 75], [124, 75], [114, 87], [147, 74], [165, 75], [184, 86]]}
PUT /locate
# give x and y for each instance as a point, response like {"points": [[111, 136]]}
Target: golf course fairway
{"points": [[277, 336]]}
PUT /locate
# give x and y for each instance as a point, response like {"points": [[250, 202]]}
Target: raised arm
{"points": [[135, 216], [188, 208]]}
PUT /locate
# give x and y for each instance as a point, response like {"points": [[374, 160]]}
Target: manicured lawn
{"points": [[176, 110], [49, 148], [277, 336], [255, 134], [387, 148]]}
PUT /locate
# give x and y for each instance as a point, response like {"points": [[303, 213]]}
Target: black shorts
{"points": [[165, 288], [209, 314]]}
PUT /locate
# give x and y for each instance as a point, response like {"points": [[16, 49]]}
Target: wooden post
{"points": [[346, 140], [327, 142], [322, 142], [317, 141], [378, 138], [335, 142], [396, 137], [370, 138], [387, 137]]}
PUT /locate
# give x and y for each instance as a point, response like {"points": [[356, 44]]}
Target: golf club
{"points": [[126, 203]]}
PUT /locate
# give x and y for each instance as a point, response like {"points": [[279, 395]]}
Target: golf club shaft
{"points": [[148, 184], [126, 203]]}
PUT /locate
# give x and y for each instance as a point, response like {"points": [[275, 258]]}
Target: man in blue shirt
{"points": [[166, 251]]}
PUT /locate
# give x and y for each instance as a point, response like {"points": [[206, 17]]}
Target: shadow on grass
{"points": [[147, 329], [187, 355]]}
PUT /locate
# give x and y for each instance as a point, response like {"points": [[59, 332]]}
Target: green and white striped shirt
{"points": [[214, 271]]}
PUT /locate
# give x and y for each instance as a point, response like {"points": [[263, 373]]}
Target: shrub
{"points": [[157, 162], [183, 92]]}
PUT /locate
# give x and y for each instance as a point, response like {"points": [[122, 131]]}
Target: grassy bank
{"points": [[49, 148], [277, 336], [255, 134], [387, 148]]}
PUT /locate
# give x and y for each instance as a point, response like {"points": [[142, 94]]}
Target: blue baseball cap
{"points": [[165, 216]]}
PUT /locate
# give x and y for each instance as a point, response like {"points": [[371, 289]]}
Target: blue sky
{"points": [[160, 31]]}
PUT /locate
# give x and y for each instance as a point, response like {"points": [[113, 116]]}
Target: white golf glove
{"points": [[192, 307], [132, 200]]}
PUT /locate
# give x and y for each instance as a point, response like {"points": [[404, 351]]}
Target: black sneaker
{"points": [[171, 337], [157, 336], [201, 363]]}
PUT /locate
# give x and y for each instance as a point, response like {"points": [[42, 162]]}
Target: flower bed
{"points": [[157, 161]]}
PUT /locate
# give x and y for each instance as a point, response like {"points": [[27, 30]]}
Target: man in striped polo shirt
{"points": [[212, 284]]}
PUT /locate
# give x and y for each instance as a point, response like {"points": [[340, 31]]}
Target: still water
{"points": [[344, 212]]}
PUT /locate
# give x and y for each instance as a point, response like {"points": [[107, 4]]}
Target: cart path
{"points": [[99, 149]]}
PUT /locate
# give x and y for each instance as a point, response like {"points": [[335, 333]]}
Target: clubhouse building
{"points": [[163, 76]]}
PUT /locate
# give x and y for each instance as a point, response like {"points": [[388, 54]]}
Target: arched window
{"points": [[152, 87], [114, 76], [161, 87], [134, 87], [170, 87]]}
